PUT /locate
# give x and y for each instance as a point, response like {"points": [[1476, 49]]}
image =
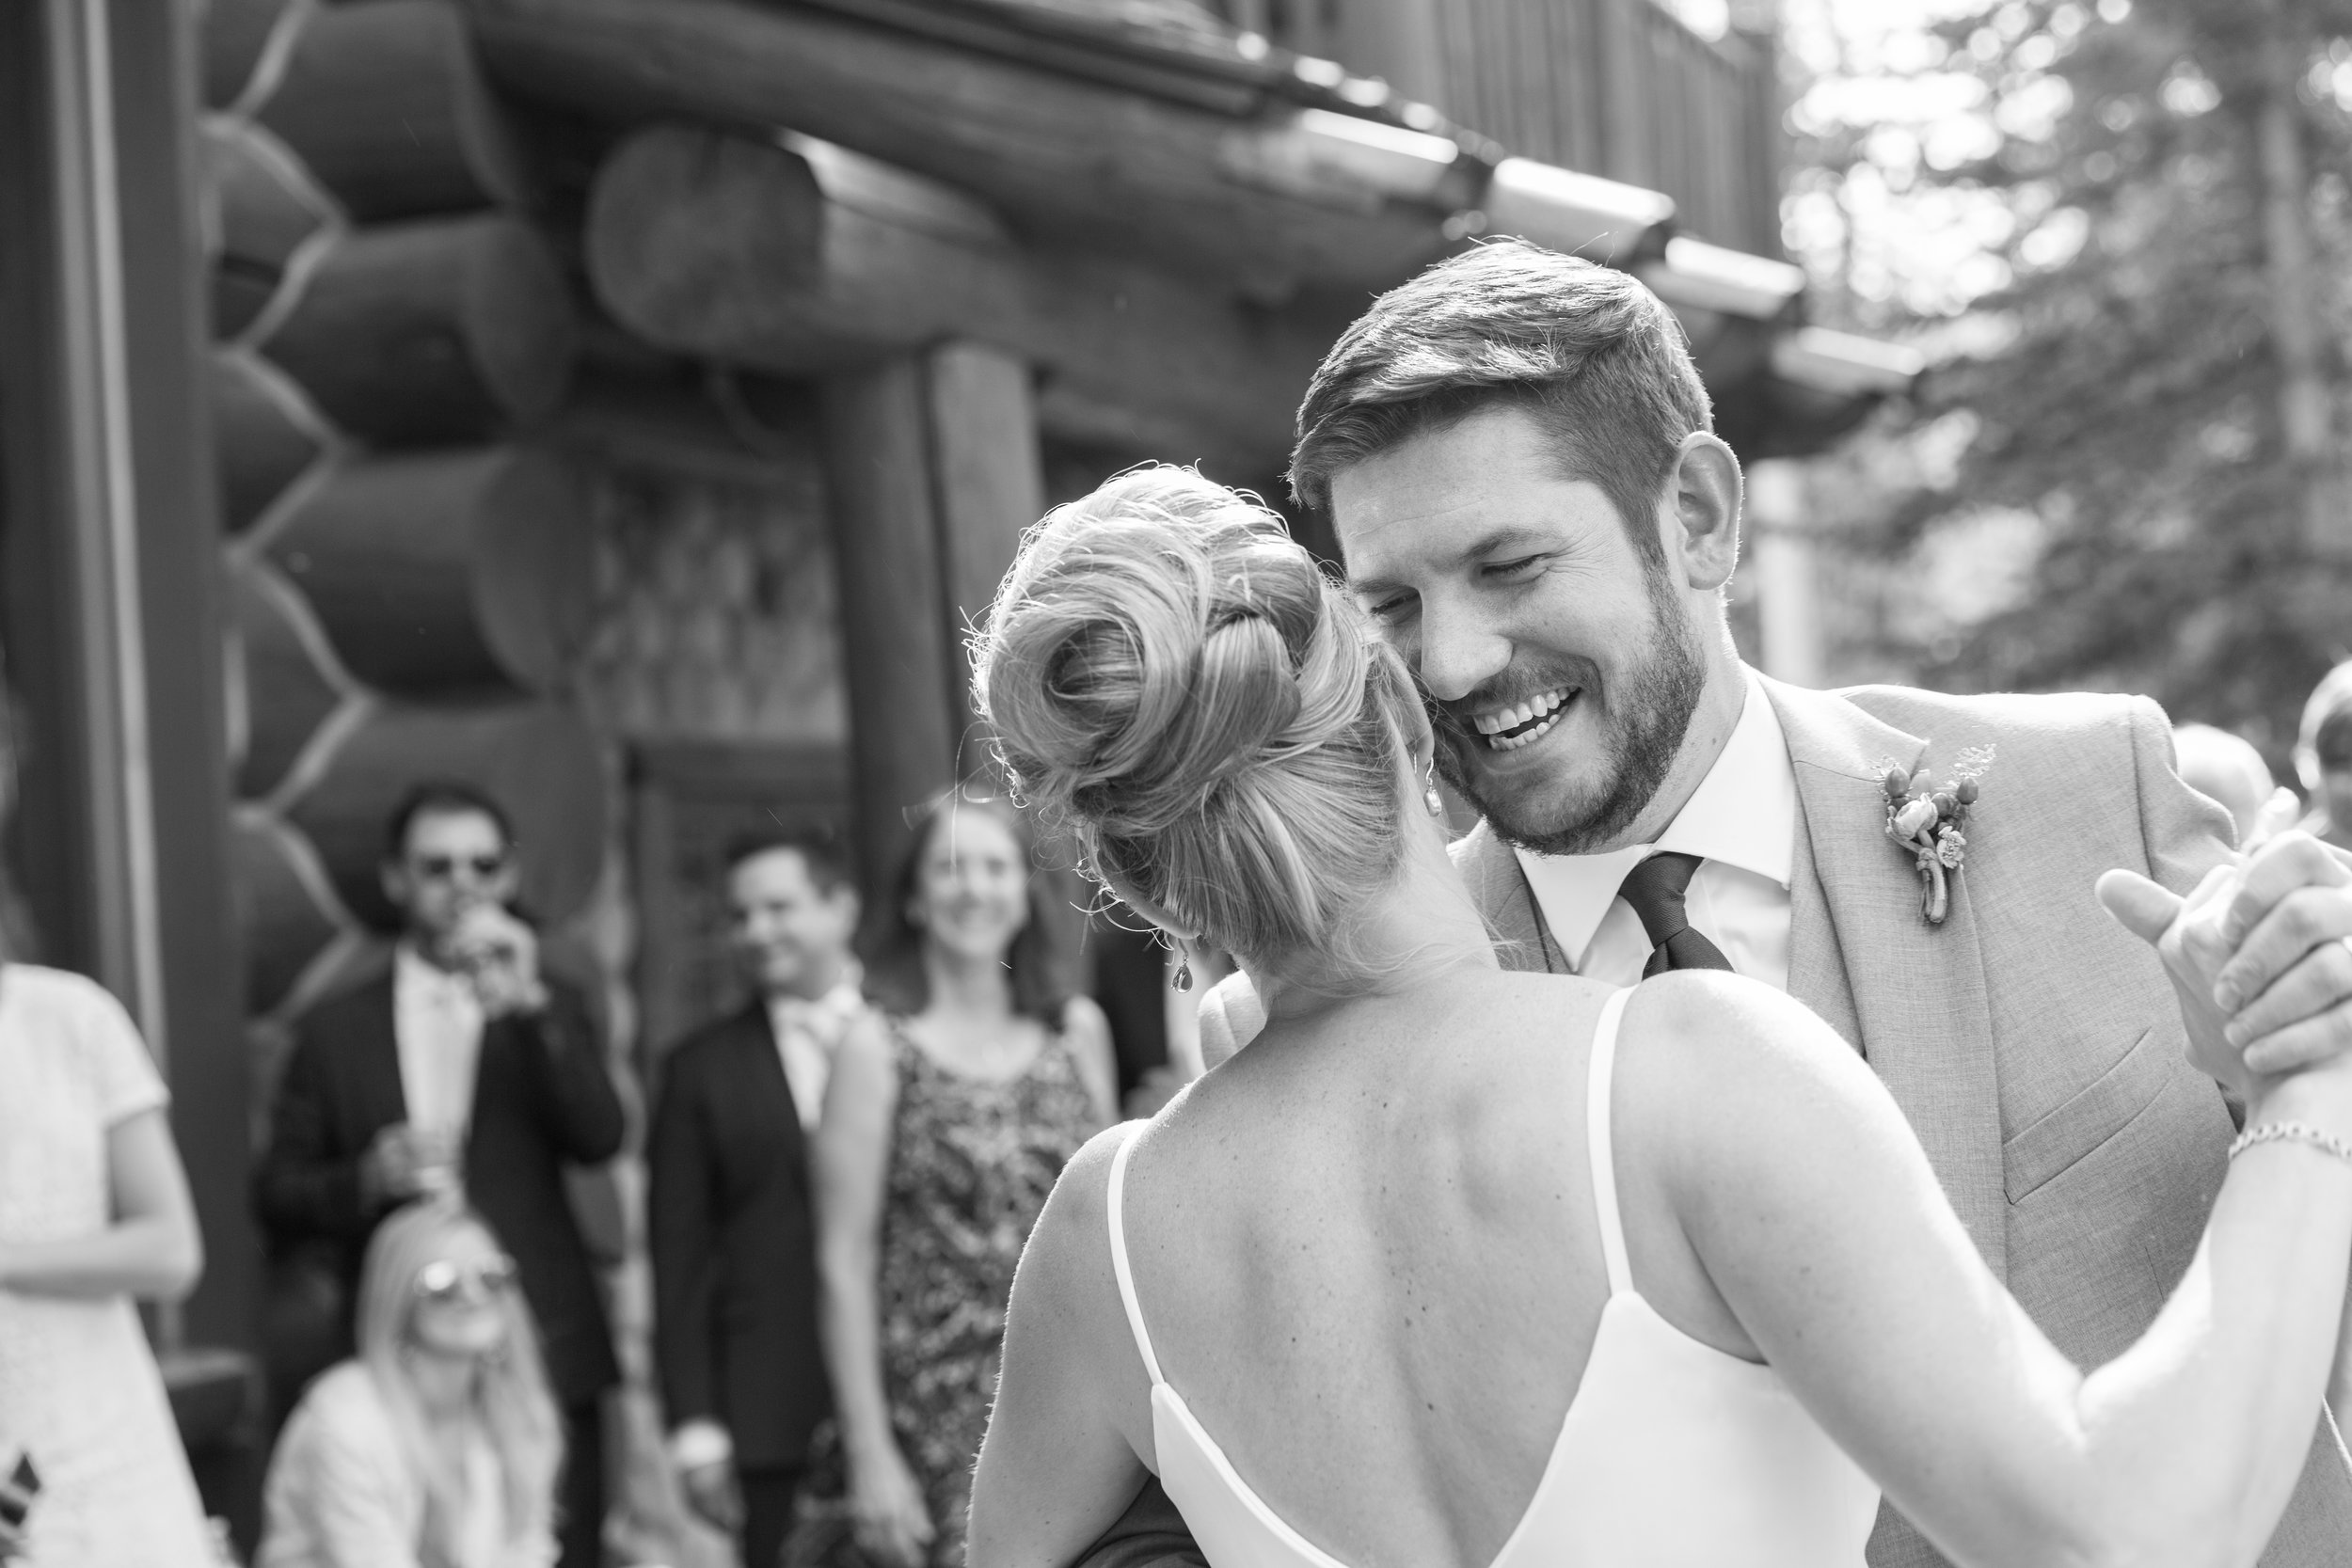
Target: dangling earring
{"points": [[1429, 796], [1184, 973]]}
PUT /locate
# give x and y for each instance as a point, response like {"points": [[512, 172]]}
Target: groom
{"points": [[1519, 461]]}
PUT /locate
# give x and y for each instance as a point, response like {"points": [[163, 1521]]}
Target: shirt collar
{"points": [[413, 971], [835, 1008], [1743, 813]]}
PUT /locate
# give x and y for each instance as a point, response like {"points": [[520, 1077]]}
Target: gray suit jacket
{"points": [[2033, 1043]]}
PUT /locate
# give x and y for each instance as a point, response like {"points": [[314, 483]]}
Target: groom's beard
{"points": [[1648, 709]]}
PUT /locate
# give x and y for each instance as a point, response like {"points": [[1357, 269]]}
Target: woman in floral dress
{"points": [[949, 1114]]}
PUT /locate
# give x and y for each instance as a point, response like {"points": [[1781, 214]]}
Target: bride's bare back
{"points": [[1369, 1262]]}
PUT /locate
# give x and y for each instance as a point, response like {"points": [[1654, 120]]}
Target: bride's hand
{"points": [[886, 1506]]}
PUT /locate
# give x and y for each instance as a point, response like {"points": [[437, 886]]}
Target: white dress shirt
{"points": [[1742, 822], [809, 1033], [436, 1022]]}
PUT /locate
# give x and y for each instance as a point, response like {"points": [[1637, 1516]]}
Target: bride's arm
{"points": [[1072, 1408], [1815, 1214]]}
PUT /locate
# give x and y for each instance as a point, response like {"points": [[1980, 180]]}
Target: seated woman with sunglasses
{"points": [[439, 1446]]}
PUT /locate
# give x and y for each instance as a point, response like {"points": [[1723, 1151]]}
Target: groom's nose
{"points": [[1456, 653]]}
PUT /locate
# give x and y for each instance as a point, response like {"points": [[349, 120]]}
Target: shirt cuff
{"points": [[699, 1443]]}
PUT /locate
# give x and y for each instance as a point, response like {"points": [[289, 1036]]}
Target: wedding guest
{"points": [[438, 1444], [2226, 769], [949, 1116], [463, 1070], [728, 1212], [2323, 757], [94, 1217]]}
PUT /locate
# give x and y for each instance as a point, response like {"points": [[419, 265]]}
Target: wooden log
{"points": [[432, 332], [234, 36], [728, 247], [283, 682], [263, 437], [386, 102], [903, 728], [446, 573], [1060, 153], [992, 482], [285, 913], [259, 210], [537, 759]]}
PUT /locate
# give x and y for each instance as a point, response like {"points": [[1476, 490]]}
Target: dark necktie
{"points": [[1655, 889]]}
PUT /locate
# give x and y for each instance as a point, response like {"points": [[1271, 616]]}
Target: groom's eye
{"points": [[1523, 566], [1388, 607]]}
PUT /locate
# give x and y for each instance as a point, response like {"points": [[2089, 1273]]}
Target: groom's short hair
{"points": [[1595, 357]]}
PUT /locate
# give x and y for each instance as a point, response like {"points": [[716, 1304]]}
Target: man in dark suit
{"points": [[730, 1214], [463, 1071]]}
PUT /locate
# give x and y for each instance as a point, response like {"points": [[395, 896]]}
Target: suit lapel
{"points": [[1911, 995], [1499, 890], [376, 1065], [763, 1077]]}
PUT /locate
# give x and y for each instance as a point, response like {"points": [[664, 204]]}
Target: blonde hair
{"points": [[1172, 677], [510, 1403]]}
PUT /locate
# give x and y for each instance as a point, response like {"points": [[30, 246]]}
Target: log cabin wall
{"points": [[409, 562]]}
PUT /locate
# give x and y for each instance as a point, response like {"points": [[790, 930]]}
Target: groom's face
{"points": [[1560, 665]]}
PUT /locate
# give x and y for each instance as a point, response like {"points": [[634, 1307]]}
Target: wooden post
{"points": [[991, 487], [108, 588], [879, 468]]}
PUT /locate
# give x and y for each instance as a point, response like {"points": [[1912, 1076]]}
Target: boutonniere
{"points": [[1930, 820]]}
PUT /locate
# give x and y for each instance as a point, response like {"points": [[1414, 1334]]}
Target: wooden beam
{"points": [[284, 683], [446, 573], [894, 650], [740, 249], [285, 912], [386, 104], [235, 35], [265, 437], [260, 209], [1061, 154], [431, 332]]}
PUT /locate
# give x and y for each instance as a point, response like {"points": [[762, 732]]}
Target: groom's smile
{"points": [[1507, 729]]}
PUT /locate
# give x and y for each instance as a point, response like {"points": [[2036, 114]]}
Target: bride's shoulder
{"points": [[1703, 1057], [1709, 1022]]}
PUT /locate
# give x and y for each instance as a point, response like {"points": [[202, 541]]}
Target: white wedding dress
{"points": [[1673, 1454]]}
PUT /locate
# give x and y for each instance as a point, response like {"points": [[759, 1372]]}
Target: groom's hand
{"points": [[2288, 982], [2189, 935]]}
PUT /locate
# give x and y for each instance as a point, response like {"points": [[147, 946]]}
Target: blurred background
{"points": [[625, 404]]}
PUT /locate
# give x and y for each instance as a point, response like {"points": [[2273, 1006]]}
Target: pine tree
{"points": [[2160, 406]]}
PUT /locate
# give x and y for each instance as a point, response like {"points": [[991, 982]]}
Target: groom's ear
{"points": [[1705, 492]]}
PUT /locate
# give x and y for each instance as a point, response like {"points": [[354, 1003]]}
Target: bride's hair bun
{"points": [[1172, 676]]}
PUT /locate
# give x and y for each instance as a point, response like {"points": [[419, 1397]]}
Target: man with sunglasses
{"points": [[463, 1071]]}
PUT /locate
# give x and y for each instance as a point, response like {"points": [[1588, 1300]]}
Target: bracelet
{"points": [[2297, 1131]]}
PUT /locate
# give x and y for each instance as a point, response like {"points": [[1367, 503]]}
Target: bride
{"points": [[1463, 1269]]}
